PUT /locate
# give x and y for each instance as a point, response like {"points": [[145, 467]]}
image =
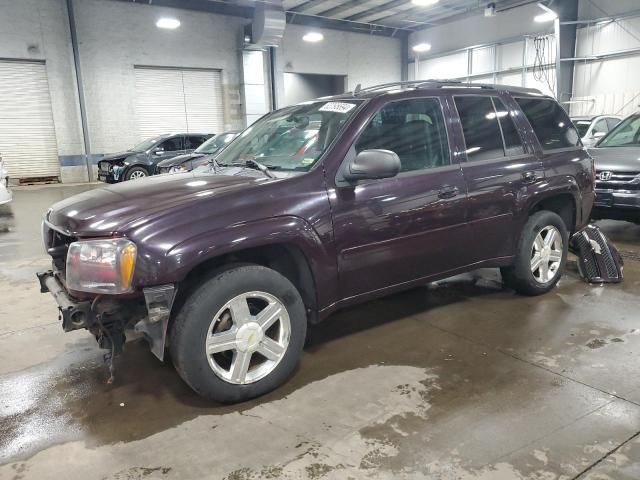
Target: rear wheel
{"points": [[541, 255], [239, 335], [135, 173]]}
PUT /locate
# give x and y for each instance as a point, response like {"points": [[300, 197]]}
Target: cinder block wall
{"points": [[39, 30], [115, 36]]}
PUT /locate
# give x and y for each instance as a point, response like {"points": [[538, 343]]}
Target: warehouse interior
{"points": [[454, 378]]}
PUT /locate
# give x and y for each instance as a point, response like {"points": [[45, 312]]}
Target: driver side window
{"points": [[171, 144], [414, 129]]}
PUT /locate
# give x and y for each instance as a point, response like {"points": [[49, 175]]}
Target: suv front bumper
{"points": [[110, 317]]}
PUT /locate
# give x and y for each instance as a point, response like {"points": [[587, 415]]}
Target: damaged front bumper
{"points": [[108, 317]]}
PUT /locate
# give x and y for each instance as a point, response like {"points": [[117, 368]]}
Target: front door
{"points": [[392, 231]]}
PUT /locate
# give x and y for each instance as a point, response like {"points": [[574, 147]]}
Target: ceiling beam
{"points": [[378, 9], [344, 25], [332, 12], [418, 14], [305, 6]]}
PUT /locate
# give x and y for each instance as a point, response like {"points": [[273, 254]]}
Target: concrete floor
{"points": [[459, 380]]}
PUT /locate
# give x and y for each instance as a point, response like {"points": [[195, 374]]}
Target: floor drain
{"points": [[630, 255]]}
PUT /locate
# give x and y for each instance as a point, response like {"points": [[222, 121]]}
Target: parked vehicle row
{"points": [[592, 129], [142, 160], [316, 207], [200, 156]]}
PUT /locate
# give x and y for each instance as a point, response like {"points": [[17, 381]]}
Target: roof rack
{"points": [[442, 83]]}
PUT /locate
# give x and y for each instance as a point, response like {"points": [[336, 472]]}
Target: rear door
{"points": [[498, 168]]}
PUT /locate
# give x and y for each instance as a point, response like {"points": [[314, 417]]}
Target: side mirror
{"points": [[158, 151], [372, 165]]}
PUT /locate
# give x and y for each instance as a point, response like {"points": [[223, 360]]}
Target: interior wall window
{"points": [[480, 127], [414, 129], [512, 141], [550, 123]]}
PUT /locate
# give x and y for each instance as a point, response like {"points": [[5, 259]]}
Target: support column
{"points": [[565, 47]]}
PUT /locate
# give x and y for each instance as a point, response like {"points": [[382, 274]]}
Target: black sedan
{"points": [[200, 156], [142, 160]]}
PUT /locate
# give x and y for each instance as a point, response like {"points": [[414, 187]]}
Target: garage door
{"points": [[178, 100], [27, 134]]}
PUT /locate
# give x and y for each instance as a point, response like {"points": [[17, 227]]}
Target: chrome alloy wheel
{"points": [[248, 337], [546, 254], [137, 175]]}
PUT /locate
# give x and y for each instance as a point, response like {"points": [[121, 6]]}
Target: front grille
{"points": [[617, 180], [57, 245]]}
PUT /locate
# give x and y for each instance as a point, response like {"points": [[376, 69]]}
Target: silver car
{"points": [[592, 129]]}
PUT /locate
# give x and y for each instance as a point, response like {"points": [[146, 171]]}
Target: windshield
{"points": [[147, 144], [292, 138], [216, 143], [625, 134], [582, 126]]}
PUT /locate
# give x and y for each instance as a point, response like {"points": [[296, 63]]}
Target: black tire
{"points": [[519, 276], [191, 326], [136, 170]]}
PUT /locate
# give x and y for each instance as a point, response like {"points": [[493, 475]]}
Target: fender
{"points": [[548, 188], [192, 252]]}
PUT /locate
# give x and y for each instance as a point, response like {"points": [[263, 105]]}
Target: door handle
{"points": [[448, 191], [529, 177]]}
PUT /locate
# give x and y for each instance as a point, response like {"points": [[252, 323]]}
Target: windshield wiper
{"points": [[252, 163]]}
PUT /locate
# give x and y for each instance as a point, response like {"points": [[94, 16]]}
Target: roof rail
{"points": [[443, 83]]}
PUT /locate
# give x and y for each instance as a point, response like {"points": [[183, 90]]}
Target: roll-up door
{"points": [[171, 100], [27, 134]]}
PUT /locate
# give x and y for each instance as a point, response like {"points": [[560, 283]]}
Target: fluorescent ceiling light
{"points": [[422, 47], [424, 3], [545, 17], [313, 37], [169, 23]]}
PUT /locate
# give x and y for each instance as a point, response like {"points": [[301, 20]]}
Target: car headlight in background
{"points": [[101, 266], [178, 169]]}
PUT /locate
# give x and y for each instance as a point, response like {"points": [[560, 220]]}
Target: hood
{"points": [[115, 208], [118, 156], [180, 159], [616, 159]]}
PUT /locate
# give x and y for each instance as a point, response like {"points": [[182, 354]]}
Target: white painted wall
{"points": [[43, 24], [608, 86], [364, 59], [115, 36]]}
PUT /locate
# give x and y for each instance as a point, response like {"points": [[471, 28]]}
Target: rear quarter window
{"points": [[550, 123]]}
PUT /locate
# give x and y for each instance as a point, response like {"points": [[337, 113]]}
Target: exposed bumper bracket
{"points": [[159, 301], [75, 315]]}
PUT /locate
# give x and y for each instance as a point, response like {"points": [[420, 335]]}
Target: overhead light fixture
{"points": [[168, 23], [313, 37], [548, 15], [424, 3], [422, 47]]}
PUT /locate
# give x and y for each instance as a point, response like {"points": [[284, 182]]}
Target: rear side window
{"points": [[193, 141], [550, 123], [612, 122], [414, 129], [512, 141], [480, 127], [600, 127]]}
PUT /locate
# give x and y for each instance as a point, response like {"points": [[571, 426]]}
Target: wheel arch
{"points": [[563, 203]]}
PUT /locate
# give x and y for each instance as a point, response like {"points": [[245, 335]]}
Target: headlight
{"points": [[178, 169], [101, 266]]}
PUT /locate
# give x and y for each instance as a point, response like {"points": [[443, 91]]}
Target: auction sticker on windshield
{"points": [[338, 107]]}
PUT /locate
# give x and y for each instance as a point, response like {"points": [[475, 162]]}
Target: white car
{"points": [[592, 129], [5, 192]]}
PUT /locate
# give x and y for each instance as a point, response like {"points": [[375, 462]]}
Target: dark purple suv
{"points": [[315, 207]]}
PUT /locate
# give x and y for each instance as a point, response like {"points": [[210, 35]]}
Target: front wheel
{"points": [[239, 335], [136, 173], [541, 256]]}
